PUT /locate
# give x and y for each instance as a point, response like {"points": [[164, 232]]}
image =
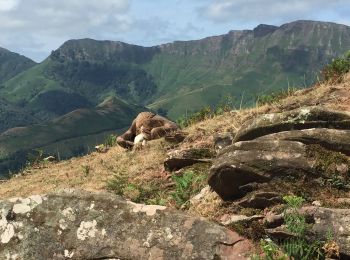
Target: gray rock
{"points": [[331, 221], [332, 139], [297, 119], [223, 140], [81, 225], [178, 159], [256, 162], [260, 200]]}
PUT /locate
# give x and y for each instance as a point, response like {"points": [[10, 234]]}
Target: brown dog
{"points": [[146, 126]]}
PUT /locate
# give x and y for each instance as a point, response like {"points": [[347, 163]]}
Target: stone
{"points": [[260, 200], [331, 221], [317, 203], [223, 140], [273, 220], [232, 219], [74, 224], [178, 159], [332, 139], [256, 162], [175, 137], [297, 119], [49, 159]]}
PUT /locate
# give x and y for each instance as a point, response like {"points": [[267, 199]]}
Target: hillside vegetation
{"points": [[243, 64], [174, 79], [285, 161]]}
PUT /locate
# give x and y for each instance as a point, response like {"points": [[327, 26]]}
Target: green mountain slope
{"points": [[12, 64], [86, 125], [179, 76]]}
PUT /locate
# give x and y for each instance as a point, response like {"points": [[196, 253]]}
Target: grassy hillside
{"points": [[74, 131], [176, 78], [180, 76], [12, 64]]}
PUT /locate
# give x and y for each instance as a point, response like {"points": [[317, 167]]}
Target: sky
{"points": [[36, 27]]}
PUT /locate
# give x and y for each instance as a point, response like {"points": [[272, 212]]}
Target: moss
{"points": [[326, 161], [201, 153], [254, 230], [250, 211]]}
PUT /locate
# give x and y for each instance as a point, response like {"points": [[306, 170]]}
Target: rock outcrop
{"points": [[323, 224], [311, 142], [81, 225]]}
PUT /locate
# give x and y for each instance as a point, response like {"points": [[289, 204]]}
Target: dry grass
{"points": [[92, 172]]}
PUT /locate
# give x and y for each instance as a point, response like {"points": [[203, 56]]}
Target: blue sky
{"points": [[35, 27]]}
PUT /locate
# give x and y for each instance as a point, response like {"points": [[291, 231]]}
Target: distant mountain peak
{"points": [[264, 29]]}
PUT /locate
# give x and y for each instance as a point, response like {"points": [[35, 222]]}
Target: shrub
{"points": [[275, 96], [110, 140], [335, 70], [186, 186]]}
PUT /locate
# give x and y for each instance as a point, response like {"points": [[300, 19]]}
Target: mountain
{"points": [[66, 89], [12, 64], [11, 115], [73, 134], [182, 76]]}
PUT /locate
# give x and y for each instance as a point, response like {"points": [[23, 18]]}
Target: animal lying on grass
{"points": [[146, 126]]}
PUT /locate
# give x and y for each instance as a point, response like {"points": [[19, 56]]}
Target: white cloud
{"points": [[269, 11], [49, 22], [8, 5]]}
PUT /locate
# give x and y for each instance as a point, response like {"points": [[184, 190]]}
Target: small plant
{"points": [[275, 96], [294, 221], [110, 141], [86, 170], [335, 70], [204, 113], [35, 158], [186, 185]]}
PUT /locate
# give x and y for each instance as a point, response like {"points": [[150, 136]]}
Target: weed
{"points": [[35, 157], [86, 170], [335, 70], [293, 219], [186, 186], [275, 96], [110, 141]]}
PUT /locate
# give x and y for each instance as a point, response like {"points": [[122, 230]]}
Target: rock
{"points": [[332, 139], [297, 119], [49, 159], [343, 201], [256, 162], [331, 221], [222, 141], [101, 148], [232, 219], [175, 137], [81, 225], [273, 220], [179, 159], [260, 200], [317, 203]]}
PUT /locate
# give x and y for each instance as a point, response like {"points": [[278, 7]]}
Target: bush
{"points": [[275, 96], [110, 140], [335, 71], [186, 186]]}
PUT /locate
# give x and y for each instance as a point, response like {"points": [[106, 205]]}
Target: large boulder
{"points": [[256, 162], [297, 119], [81, 225], [178, 159], [302, 142]]}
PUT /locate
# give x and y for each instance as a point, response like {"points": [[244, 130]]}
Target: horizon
{"points": [[197, 39], [34, 28]]}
